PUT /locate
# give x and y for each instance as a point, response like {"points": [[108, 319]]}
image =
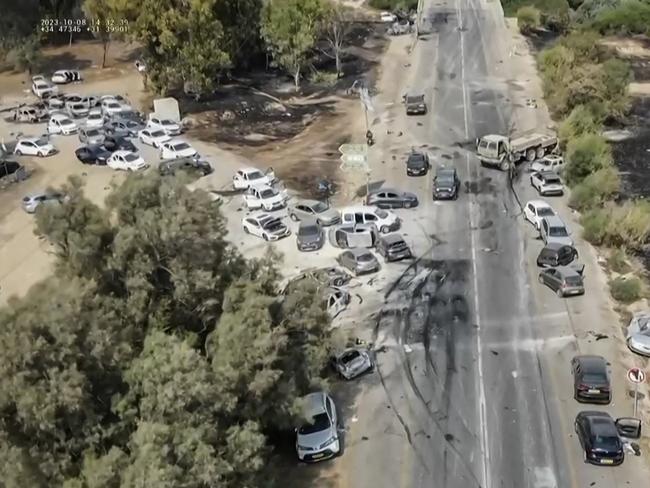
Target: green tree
{"points": [[27, 56], [529, 19], [586, 155], [241, 27], [583, 119], [100, 11], [596, 189], [290, 29], [628, 17]]}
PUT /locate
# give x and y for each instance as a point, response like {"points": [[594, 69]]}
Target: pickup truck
{"points": [[502, 152]]}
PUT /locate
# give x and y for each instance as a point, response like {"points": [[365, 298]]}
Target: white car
{"points": [[43, 89], [266, 226], [536, 210], [265, 197], [551, 162], [247, 177], [61, 124], [388, 17], [384, 220], [153, 137], [547, 183], [169, 126], [638, 333], [126, 160], [110, 106], [66, 76], [77, 110], [95, 119], [177, 149], [34, 146]]}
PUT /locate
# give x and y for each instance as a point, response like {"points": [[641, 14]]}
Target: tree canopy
{"points": [[156, 354]]}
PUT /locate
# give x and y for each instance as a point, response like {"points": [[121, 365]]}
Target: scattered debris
{"points": [[531, 103], [407, 349], [449, 437], [494, 352]]}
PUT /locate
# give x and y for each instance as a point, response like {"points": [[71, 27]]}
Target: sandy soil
{"points": [[637, 51]]}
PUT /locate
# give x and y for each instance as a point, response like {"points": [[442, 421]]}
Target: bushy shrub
{"points": [[594, 225], [626, 290], [586, 46], [629, 224], [627, 18], [529, 19], [595, 189], [583, 119], [394, 4], [586, 155], [617, 262]]}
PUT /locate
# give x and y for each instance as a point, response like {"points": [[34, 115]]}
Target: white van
{"points": [[384, 220]]}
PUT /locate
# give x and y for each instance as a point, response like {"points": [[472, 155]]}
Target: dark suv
{"points": [[556, 254], [191, 165], [393, 247], [598, 434], [417, 164], [446, 184]]}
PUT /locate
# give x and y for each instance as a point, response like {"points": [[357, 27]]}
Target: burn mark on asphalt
{"points": [[482, 186]]}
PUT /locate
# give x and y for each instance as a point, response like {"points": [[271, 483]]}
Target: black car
{"points": [[600, 439], [446, 184], [415, 104], [123, 127], [116, 143], [94, 154], [393, 247], [391, 198], [417, 164], [591, 379], [190, 165], [9, 167], [556, 254]]}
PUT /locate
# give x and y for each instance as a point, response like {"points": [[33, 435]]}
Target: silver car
{"points": [[553, 229], [91, 136], [310, 236], [32, 202], [314, 209], [352, 363], [638, 333], [359, 261], [318, 438], [563, 280]]}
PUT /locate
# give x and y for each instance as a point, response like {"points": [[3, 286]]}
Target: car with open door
{"points": [[601, 437], [556, 254], [247, 177], [352, 363]]}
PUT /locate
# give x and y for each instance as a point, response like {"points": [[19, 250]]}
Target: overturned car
{"points": [[353, 236]]}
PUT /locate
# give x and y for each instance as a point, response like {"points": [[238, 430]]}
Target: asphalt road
{"points": [[466, 402]]}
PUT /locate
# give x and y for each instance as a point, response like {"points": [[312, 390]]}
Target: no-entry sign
{"points": [[636, 375]]}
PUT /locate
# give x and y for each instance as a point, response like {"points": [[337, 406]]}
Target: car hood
{"points": [[416, 164], [445, 186], [328, 215], [316, 439], [639, 338], [309, 238]]}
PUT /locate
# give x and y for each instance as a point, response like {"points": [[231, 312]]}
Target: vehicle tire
{"points": [[384, 229], [41, 154], [540, 152], [19, 152], [504, 166], [560, 293], [540, 279], [266, 238], [530, 154], [407, 204], [246, 231]]}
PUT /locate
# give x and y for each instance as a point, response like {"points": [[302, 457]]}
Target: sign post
{"points": [[636, 376]]}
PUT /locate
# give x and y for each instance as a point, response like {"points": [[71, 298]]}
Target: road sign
{"points": [[636, 375], [354, 160], [359, 149]]}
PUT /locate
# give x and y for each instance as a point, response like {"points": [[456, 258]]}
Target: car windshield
{"points": [[66, 122], [268, 193], [255, 175], [157, 133], [130, 157], [364, 258], [319, 423], [573, 280], [552, 179], [308, 230], [382, 214], [594, 378], [95, 116], [445, 180], [181, 146], [415, 99], [545, 211], [558, 232], [92, 133], [416, 159], [607, 442], [41, 142], [272, 224], [167, 122], [320, 207]]}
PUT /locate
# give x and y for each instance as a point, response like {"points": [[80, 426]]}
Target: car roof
{"points": [[123, 152], [445, 171], [307, 202], [385, 189], [314, 404], [538, 203], [567, 271], [261, 188], [260, 216], [30, 139], [554, 221], [358, 251], [59, 116], [591, 363], [548, 172], [308, 222], [602, 423], [249, 169], [392, 238], [360, 208], [555, 246]]}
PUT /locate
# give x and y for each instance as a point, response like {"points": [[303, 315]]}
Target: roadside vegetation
{"points": [[586, 87], [157, 355], [394, 4]]}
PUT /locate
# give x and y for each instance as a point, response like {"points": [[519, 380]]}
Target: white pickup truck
{"points": [[502, 152]]}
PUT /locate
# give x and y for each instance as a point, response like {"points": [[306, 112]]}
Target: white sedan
{"points": [[551, 162], [177, 149], [536, 210], [247, 177], [110, 106], [153, 137], [126, 160], [388, 17], [266, 226], [265, 197], [95, 119], [66, 76], [169, 126], [34, 146], [42, 88]]}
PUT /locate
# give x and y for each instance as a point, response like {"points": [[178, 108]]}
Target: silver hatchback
{"points": [[563, 280], [359, 261]]}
